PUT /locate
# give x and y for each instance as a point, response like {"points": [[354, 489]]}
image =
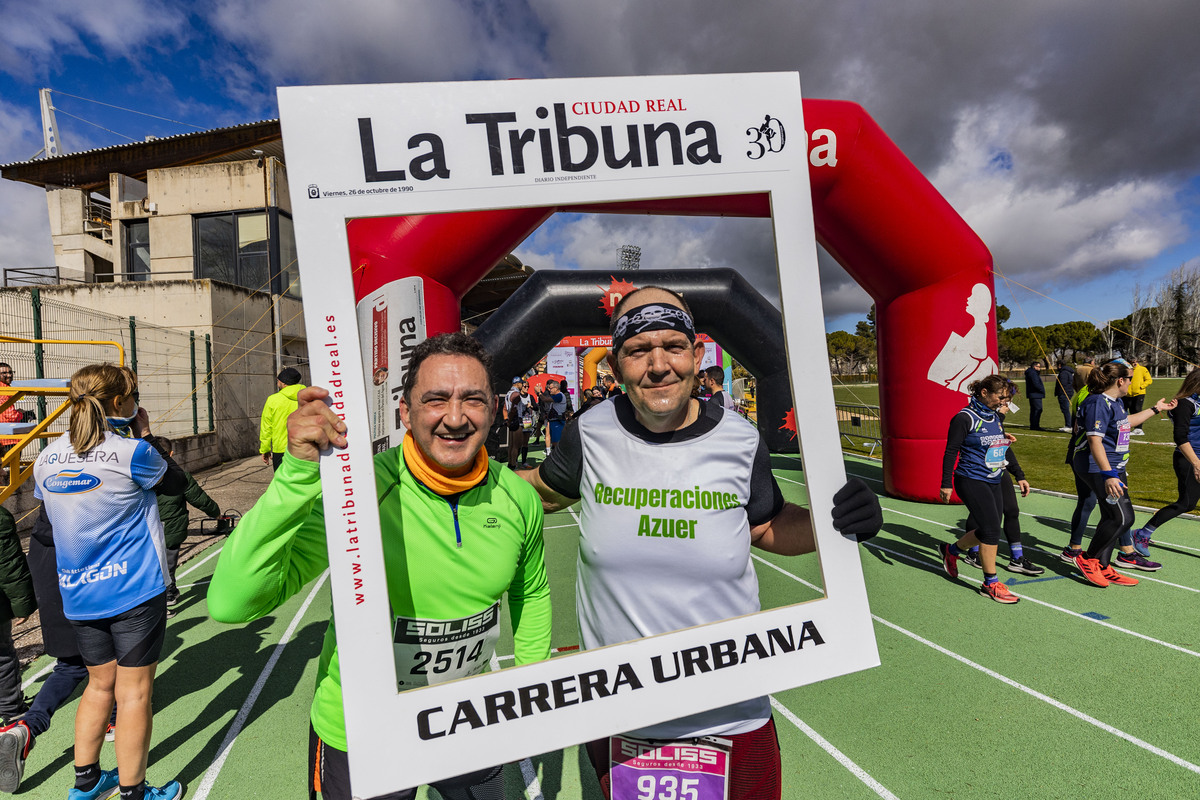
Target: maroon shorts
{"points": [[754, 772]]}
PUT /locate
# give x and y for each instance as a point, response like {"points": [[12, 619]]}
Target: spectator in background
{"points": [[713, 379], [272, 430], [1137, 392], [172, 510], [58, 640], [10, 414], [591, 398], [611, 387], [1035, 390], [556, 409], [1064, 387], [1080, 378], [519, 413], [17, 602]]}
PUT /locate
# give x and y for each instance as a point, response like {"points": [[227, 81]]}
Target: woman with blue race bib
{"points": [[1186, 461], [1100, 461], [98, 484], [975, 458]]}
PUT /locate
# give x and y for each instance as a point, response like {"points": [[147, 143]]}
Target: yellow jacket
{"points": [[272, 430], [1141, 379]]}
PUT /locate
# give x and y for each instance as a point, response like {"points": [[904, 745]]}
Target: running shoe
{"points": [[971, 559], [949, 560], [1024, 566], [1141, 543], [1068, 555], [1112, 576], [1137, 561], [172, 595], [16, 741], [108, 787], [110, 733], [1092, 571], [172, 790], [1137, 432], [998, 592]]}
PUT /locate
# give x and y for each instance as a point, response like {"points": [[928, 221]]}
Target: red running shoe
{"points": [[998, 592], [1112, 576], [949, 560], [1092, 571]]}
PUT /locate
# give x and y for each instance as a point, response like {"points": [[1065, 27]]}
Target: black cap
{"points": [[290, 376]]}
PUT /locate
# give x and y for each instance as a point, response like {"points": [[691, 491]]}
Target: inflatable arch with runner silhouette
{"points": [[876, 214]]}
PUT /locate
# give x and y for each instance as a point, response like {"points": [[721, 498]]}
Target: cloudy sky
{"points": [[1066, 132]]}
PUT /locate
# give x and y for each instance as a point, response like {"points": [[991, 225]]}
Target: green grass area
{"points": [[1043, 453]]}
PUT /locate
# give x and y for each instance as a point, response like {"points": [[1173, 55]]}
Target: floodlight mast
{"points": [[51, 141], [629, 257]]}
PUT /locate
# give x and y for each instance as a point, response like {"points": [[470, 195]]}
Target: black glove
{"points": [[856, 511]]}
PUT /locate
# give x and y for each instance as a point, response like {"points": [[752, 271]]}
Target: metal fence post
{"points": [[39, 362], [208, 378], [195, 403], [133, 344]]}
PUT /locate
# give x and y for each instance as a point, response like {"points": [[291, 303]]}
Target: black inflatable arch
{"points": [[554, 304]]}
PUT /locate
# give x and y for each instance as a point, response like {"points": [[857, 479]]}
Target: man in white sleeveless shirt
{"points": [[678, 555]]}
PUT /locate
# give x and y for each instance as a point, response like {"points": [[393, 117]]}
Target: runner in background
{"points": [[1100, 460], [1019, 562], [1185, 461], [975, 457]]}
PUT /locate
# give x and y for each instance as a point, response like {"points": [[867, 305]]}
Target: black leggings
{"points": [[1189, 492], [1115, 519], [1012, 512], [985, 503]]}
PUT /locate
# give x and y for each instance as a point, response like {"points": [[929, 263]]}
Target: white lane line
{"points": [[937, 569], [239, 721], [949, 527], [1104, 726], [32, 679], [1140, 576], [829, 748], [533, 787], [1032, 692], [1040, 516], [198, 564], [553, 527]]}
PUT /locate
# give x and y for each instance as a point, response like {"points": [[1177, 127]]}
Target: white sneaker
{"points": [[1137, 432], [1064, 430]]}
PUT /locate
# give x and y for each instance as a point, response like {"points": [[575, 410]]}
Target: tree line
{"points": [[1162, 330]]}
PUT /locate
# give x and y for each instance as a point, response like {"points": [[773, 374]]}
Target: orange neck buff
{"points": [[435, 477]]}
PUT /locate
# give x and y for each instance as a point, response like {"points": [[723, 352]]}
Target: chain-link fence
{"points": [[173, 367]]}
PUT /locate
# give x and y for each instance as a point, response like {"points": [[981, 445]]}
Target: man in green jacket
{"points": [[272, 429], [459, 532]]}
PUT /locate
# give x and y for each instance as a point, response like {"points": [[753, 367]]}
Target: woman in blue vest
{"points": [[1186, 460], [1100, 461], [98, 483], [975, 458]]}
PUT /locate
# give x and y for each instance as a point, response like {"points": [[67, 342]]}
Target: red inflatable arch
{"points": [[928, 272]]}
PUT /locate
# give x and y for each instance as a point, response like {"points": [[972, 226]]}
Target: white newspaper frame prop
{"points": [[729, 115]]}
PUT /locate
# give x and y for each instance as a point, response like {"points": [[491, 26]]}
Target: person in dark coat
{"points": [[1035, 390], [173, 511], [58, 639], [17, 602], [1063, 392]]}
